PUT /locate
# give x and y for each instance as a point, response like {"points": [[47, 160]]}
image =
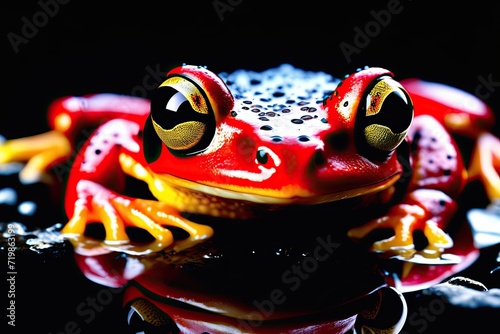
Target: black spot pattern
{"points": [[282, 102]]}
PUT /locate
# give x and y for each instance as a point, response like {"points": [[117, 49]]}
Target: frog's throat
{"points": [[287, 195]]}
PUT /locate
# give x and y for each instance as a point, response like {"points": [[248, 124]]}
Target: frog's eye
{"points": [[182, 116], [385, 115]]}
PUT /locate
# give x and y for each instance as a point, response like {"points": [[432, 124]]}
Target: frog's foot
{"points": [[485, 164], [404, 219], [38, 151], [98, 204], [437, 239], [386, 312]]}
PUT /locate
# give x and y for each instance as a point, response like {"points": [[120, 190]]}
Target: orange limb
{"points": [[403, 219], [115, 212], [39, 152], [485, 165]]}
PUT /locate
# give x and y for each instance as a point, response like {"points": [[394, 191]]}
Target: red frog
{"points": [[243, 144]]}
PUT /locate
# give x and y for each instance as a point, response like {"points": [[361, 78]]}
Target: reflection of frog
{"points": [[238, 145], [205, 289]]}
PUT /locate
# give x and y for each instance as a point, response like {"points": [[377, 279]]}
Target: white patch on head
{"points": [[265, 173], [345, 112], [223, 135]]}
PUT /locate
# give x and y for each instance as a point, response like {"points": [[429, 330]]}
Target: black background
{"points": [[92, 47]]}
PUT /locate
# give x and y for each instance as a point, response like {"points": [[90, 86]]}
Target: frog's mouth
{"points": [[286, 195], [169, 188]]}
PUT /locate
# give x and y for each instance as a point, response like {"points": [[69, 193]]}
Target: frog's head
{"points": [[278, 136]]}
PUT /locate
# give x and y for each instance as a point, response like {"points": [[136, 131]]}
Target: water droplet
{"points": [[8, 196], [27, 208], [266, 127], [297, 121], [306, 117]]}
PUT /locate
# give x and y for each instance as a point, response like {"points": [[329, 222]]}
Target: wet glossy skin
{"points": [[238, 145]]}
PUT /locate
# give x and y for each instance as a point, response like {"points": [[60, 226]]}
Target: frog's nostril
{"points": [[319, 158]]}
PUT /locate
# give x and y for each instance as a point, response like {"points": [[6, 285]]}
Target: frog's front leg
{"points": [[94, 194], [116, 212], [438, 176], [425, 209]]}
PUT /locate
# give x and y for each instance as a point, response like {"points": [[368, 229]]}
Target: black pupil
{"points": [[395, 112], [168, 118]]}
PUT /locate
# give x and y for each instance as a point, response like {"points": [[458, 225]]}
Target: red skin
{"points": [[438, 175], [438, 171]]}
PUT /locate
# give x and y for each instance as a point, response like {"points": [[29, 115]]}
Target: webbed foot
{"points": [[116, 212], [403, 219]]}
